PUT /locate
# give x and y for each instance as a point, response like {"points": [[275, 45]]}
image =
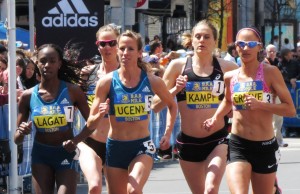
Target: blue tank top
{"points": [[53, 116], [130, 104], [202, 92]]}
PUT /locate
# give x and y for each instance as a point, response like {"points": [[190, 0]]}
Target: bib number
{"points": [[148, 102], [150, 146], [69, 112], [268, 98], [218, 88]]}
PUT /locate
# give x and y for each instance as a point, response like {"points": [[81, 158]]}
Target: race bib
{"points": [[199, 95]]}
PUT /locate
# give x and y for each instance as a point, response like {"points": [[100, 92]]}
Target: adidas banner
{"points": [[69, 21]]}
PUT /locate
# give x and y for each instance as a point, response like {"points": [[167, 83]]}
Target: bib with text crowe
{"points": [[254, 88]]}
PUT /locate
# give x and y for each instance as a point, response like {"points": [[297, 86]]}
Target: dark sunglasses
{"points": [[103, 43], [250, 44]]}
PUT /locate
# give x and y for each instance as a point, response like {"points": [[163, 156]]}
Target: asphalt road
{"points": [[167, 178]]}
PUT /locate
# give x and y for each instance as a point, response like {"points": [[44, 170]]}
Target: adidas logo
{"points": [[146, 89], [66, 14], [64, 101], [65, 162]]}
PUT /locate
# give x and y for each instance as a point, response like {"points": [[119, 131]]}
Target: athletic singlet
{"points": [[202, 92], [257, 88], [130, 104], [53, 116]]}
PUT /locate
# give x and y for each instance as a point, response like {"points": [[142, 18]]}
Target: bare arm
{"points": [[174, 82], [286, 107], [224, 107], [24, 127], [161, 91], [100, 104]]}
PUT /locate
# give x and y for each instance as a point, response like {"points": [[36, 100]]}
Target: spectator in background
{"points": [[156, 38], [3, 67], [271, 55], [186, 41], [28, 77], [287, 44], [19, 69], [3, 52], [288, 68], [277, 120], [171, 45], [217, 53], [275, 42], [147, 45], [156, 49], [231, 53]]}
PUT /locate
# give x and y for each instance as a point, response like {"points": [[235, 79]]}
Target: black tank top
{"points": [[217, 74]]}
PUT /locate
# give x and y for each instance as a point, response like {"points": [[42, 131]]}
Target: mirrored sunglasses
{"points": [[250, 44], [103, 43]]}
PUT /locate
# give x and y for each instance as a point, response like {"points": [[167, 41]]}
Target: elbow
{"points": [[292, 112], [156, 109]]}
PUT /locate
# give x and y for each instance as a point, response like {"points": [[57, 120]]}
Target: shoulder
{"points": [[176, 65], [156, 82], [227, 65], [230, 74], [25, 97], [269, 68], [73, 88]]}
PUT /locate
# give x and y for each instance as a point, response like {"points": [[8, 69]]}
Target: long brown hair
{"points": [[136, 36]]}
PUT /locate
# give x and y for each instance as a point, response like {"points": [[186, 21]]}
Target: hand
{"points": [[164, 142], [103, 108], [25, 128], [69, 145], [209, 123], [251, 102], [181, 82], [293, 82]]}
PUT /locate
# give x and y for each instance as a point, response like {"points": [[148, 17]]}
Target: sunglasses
{"points": [[250, 44], [103, 43]]}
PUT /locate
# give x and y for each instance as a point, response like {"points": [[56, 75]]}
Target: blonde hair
{"points": [[186, 40]]}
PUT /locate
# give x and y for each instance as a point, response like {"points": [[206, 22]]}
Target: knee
{"points": [[133, 190], [95, 189], [211, 189]]}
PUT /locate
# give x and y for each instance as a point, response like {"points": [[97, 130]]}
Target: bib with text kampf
{"points": [[204, 94]]}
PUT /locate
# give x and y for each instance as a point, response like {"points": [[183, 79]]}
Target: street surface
{"points": [[167, 178]]}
